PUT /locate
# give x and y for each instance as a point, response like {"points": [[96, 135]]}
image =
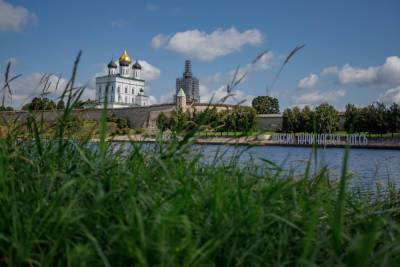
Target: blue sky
{"points": [[352, 51]]}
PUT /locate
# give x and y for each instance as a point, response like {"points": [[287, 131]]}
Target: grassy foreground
{"points": [[81, 206], [70, 203]]}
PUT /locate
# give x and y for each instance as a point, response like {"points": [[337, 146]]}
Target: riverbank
{"points": [[255, 141]]}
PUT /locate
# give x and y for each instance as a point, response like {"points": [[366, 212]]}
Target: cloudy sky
{"points": [[352, 51]]}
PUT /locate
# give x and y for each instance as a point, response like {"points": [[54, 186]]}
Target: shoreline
{"points": [[252, 141]]}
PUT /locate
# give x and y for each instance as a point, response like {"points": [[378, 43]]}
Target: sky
{"points": [[351, 53]]}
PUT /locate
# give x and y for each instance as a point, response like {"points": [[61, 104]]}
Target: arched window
{"points": [[133, 91], [119, 89], [112, 89], [126, 99], [126, 90]]}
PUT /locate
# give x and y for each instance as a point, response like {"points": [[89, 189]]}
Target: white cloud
{"points": [[149, 72], [152, 100], [119, 23], [263, 63], [387, 74], [207, 46], [159, 40], [152, 7], [333, 70], [308, 82], [315, 97], [14, 18], [26, 87], [219, 78], [169, 97], [216, 96], [390, 96]]}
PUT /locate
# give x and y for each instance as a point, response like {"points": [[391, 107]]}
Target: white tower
{"points": [[137, 69], [124, 62], [112, 68]]}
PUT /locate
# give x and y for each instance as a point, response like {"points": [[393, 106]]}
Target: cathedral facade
{"points": [[123, 85]]}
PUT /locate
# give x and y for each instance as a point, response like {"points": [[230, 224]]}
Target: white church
{"points": [[125, 86]]}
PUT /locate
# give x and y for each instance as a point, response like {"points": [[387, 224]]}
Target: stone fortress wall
{"points": [[138, 117], [146, 117]]}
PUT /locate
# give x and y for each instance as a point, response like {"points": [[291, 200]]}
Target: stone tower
{"points": [[181, 100]]}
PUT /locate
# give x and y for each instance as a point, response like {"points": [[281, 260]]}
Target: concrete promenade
{"points": [[254, 141]]}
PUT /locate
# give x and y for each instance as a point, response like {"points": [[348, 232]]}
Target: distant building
{"points": [[124, 84], [189, 84]]}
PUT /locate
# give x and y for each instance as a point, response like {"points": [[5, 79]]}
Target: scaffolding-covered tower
{"points": [[189, 84]]}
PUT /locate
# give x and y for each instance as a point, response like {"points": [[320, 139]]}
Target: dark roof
{"points": [[112, 65], [124, 63], [137, 66]]}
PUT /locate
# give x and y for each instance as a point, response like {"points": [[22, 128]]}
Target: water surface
{"points": [[368, 167]]}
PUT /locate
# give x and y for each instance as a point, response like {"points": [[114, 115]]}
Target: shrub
{"points": [[266, 105]]}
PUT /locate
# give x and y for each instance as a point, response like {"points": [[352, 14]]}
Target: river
{"points": [[368, 167]]}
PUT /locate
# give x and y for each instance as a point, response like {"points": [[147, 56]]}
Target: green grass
{"points": [[164, 207], [69, 203]]}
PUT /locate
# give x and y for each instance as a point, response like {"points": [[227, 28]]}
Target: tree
{"points": [[266, 105], [394, 118], [306, 120], [162, 122], [327, 118], [60, 104], [40, 103], [351, 115], [243, 118], [297, 126], [287, 121], [8, 108], [381, 126]]}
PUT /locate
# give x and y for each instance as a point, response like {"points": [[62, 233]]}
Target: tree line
{"points": [[44, 103], [235, 119], [376, 118]]}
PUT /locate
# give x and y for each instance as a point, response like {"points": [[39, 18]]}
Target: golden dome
{"points": [[124, 57]]}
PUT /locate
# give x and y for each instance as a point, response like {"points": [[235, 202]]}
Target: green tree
{"points": [[351, 115], [266, 105], [381, 126], [6, 108], [178, 121], [60, 104], [327, 119], [297, 125], [162, 122], [243, 118], [394, 118], [306, 119], [40, 103], [287, 121]]}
